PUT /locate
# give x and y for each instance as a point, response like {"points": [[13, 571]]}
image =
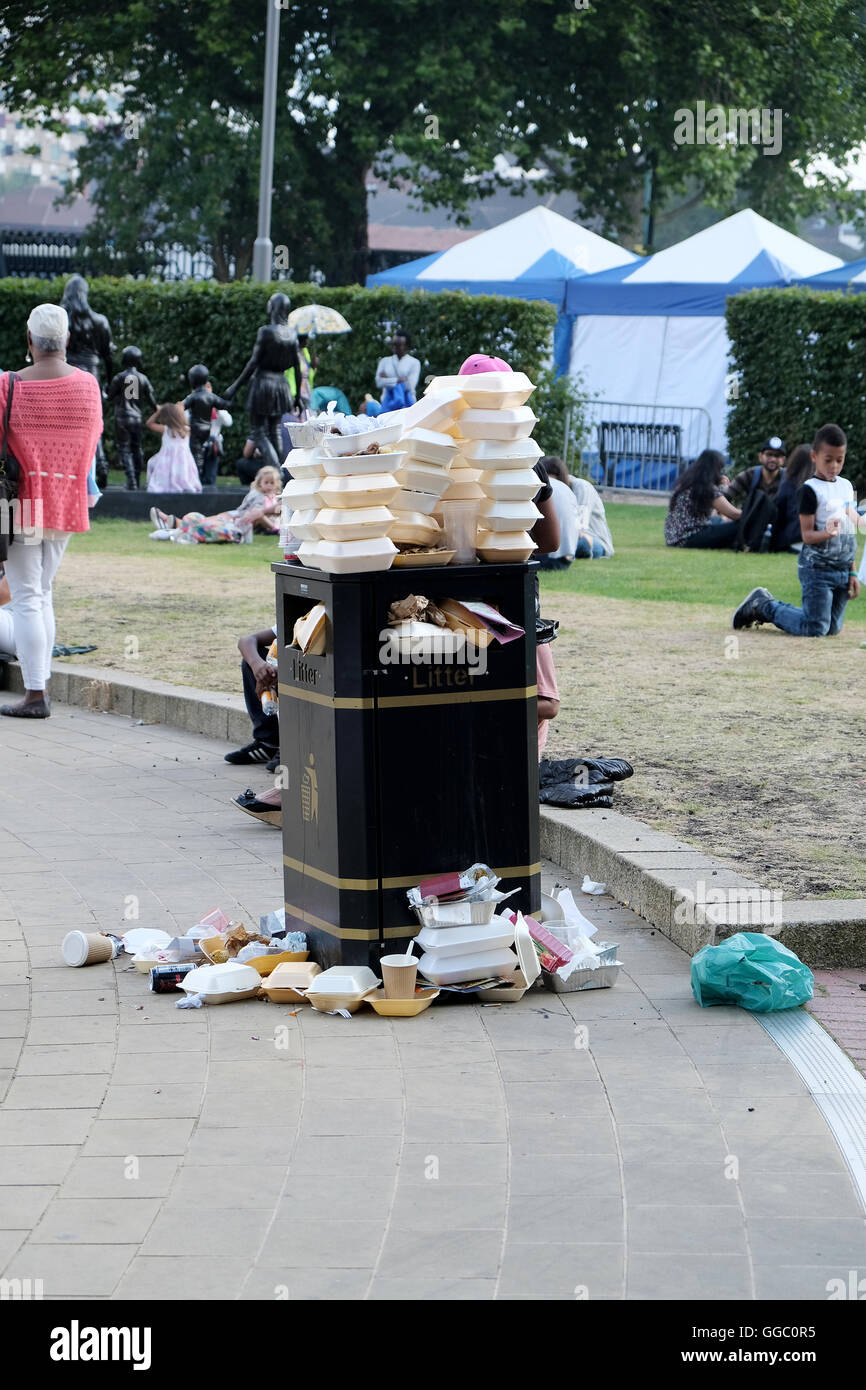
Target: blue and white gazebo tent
{"points": [[534, 256], [654, 332], [849, 275]]}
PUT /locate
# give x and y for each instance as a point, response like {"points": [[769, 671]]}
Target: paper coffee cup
{"points": [[86, 948], [398, 976]]}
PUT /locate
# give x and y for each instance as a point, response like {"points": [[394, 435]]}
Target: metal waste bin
{"points": [[398, 771]]}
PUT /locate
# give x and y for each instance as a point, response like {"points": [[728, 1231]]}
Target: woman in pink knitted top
{"points": [[55, 421]]}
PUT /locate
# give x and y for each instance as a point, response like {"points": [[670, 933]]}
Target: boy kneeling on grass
{"points": [[828, 524]]}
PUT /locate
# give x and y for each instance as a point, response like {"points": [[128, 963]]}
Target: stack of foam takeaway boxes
{"points": [[495, 462]]}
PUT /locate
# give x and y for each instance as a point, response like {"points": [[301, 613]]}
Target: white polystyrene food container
{"points": [[444, 969], [305, 463], [429, 446], [496, 454], [507, 516], [414, 528], [514, 485], [462, 489], [423, 477], [307, 554], [345, 979], [487, 390], [364, 490], [355, 557], [466, 941], [304, 525], [337, 444], [354, 523], [505, 547], [351, 465], [423, 502], [497, 424], [221, 984], [302, 494], [433, 412]]}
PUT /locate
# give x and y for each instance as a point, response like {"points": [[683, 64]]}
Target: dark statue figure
{"points": [[127, 390], [270, 396], [89, 344], [200, 404]]}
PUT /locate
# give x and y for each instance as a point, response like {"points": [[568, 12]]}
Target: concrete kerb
{"points": [[686, 895]]}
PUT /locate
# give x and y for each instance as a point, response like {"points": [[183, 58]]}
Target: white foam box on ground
{"points": [[514, 485], [355, 557], [423, 477], [302, 494], [429, 446], [345, 979], [505, 547], [497, 424], [360, 490], [354, 523], [338, 444], [353, 465], [495, 454], [423, 502], [507, 516], [414, 528], [466, 941], [304, 525], [452, 969], [487, 390]]}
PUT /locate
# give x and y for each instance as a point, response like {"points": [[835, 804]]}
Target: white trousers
{"points": [[30, 569]]}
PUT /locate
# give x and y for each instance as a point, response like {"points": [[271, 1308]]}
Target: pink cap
{"points": [[480, 362]]}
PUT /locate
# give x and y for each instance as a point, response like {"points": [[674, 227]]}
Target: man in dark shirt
{"points": [[765, 477]]}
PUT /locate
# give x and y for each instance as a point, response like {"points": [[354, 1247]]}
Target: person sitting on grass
{"points": [[259, 511], [828, 525], [697, 508], [785, 533]]}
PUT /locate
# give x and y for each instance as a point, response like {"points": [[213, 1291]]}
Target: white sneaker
{"points": [[160, 536]]}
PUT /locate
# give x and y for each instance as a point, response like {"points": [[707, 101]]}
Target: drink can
{"points": [[165, 979]]}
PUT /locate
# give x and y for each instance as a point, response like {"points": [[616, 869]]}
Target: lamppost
{"points": [[263, 247]]}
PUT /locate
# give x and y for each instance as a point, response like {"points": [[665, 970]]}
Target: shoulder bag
{"points": [[9, 475]]}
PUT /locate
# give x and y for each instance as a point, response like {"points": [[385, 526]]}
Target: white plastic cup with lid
{"points": [[460, 524]]}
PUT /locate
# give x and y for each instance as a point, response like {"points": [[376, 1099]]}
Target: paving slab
{"points": [[431, 1159]]}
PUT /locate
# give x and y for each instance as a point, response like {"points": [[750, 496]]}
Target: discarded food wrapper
{"points": [[483, 619], [572, 914], [190, 1001], [185, 948], [142, 940], [588, 886], [213, 922], [470, 885], [552, 953]]}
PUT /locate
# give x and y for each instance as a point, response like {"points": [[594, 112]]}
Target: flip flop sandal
{"points": [[34, 711]]}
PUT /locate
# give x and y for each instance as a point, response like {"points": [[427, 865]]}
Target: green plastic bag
{"points": [[752, 970]]}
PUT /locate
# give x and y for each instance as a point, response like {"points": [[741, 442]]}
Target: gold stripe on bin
{"points": [[344, 933], [466, 697], [356, 885], [313, 697], [372, 885]]}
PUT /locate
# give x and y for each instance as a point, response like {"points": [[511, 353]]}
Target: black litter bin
{"points": [[397, 772]]}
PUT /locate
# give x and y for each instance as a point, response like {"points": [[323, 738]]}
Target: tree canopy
{"points": [[427, 95]]}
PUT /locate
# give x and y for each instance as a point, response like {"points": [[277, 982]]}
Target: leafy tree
{"points": [[427, 95]]}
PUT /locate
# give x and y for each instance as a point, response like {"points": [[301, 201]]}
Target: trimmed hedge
{"points": [[177, 325], [801, 360]]}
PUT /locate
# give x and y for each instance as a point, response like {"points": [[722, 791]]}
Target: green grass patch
{"points": [[644, 568]]}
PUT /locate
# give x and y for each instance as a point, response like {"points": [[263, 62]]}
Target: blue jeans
{"points": [[825, 596], [584, 552]]}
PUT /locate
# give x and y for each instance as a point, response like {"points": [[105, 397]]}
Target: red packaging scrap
{"points": [[443, 887], [551, 952]]}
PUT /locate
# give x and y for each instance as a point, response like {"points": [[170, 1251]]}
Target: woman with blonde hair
{"points": [[259, 511], [172, 468], [51, 421]]}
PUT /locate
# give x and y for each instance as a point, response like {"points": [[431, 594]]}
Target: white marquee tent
{"points": [[653, 333]]}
